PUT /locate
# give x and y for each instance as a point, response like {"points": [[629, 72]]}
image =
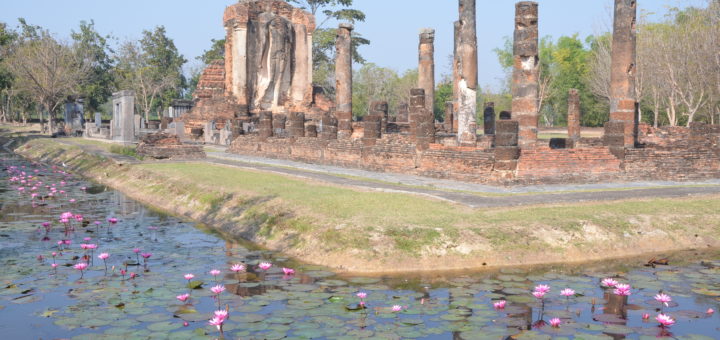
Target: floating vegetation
{"points": [[81, 261]]}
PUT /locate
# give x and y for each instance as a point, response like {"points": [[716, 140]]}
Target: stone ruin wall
{"points": [[509, 152]]}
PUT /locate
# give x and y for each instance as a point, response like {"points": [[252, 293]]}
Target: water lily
{"points": [[81, 267], [567, 292], [189, 277], [645, 316], [183, 297], [499, 304], [622, 289], [288, 271], [542, 288], [265, 265], [361, 295], [538, 295], [396, 308], [710, 311], [663, 298], [104, 256], [238, 268], [217, 289], [609, 282], [665, 320], [215, 273], [217, 322], [555, 322]]}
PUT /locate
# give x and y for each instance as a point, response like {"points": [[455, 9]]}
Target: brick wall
{"points": [[544, 164]]}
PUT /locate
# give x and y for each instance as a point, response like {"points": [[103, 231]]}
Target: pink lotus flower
{"points": [[112, 220], [361, 295], [499, 304], [538, 295], [217, 322], [555, 322], [622, 289], [288, 271], [54, 265], [265, 265], [133, 275], [221, 314], [215, 272], [710, 311], [665, 320], [183, 297], [645, 316], [87, 238], [91, 246], [81, 267], [609, 282], [146, 255], [98, 223], [217, 289], [53, 254], [663, 298], [79, 218], [542, 288], [136, 250], [189, 277], [396, 308], [72, 200], [103, 256], [567, 292], [238, 267]]}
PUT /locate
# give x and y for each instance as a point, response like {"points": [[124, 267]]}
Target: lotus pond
{"points": [[82, 261]]}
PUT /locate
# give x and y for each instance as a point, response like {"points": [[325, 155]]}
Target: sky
{"points": [[392, 26]]}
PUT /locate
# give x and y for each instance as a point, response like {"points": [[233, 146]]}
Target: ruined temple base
{"points": [[166, 146]]}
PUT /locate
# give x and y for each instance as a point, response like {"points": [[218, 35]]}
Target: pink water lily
{"points": [[645, 316], [238, 267], [663, 298], [103, 256], [221, 314], [361, 295], [710, 311], [567, 292], [146, 255], [215, 272], [265, 265], [183, 297], [555, 322], [217, 322], [538, 295], [81, 267], [288, 271], [665, 320], [622, 289], [542, 288], [499, 304], [609, 282], [189, 276], [396, 308], [218, 289]]}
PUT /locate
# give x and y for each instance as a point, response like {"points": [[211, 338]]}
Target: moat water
{"points": [[38, 301]]}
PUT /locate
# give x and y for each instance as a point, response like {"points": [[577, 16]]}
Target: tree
{"points": [[152, 68], [216, 52], [324, 37], [47, 69], [7, 37], [94, 50]]}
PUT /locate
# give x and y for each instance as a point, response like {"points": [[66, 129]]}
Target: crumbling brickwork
{"points": [[526, 71], [343, 80]]}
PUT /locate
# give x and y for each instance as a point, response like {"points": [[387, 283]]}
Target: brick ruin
{"points": [[298, 123]]}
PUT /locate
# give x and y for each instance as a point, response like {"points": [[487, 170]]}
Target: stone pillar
{"points": [[573, 115], [265, 126], [621, 130], [507, 151], [238, 33], [329, 127], [449, 116], [380, 109], [343, 80], [422, 122], [466, 60], [426, 66], [300, 83], [526, 72], [278, 124], [403, 113], [489, 118], [123, 116], [372, 125], [296, 124]]}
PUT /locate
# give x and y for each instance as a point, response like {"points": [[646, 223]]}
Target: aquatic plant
{"points": [[555, 322], [81, 266]]}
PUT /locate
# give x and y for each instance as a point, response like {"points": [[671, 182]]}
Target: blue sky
{"points": [[392, 25]]}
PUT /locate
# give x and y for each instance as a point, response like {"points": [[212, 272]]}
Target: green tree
{"points": [[152, 67], [7, 36], [443, 93], [216, 52], [94, 50]]}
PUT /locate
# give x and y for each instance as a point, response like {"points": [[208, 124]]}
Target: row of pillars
{"points": [[620, 131]]}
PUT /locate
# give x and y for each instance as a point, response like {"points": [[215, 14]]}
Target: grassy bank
{"points": [[369, 231]]}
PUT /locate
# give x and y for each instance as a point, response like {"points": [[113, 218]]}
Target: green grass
{"points": [[125, 150]]}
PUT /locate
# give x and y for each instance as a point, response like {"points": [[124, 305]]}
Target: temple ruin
{"points": [[261, 95]]}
